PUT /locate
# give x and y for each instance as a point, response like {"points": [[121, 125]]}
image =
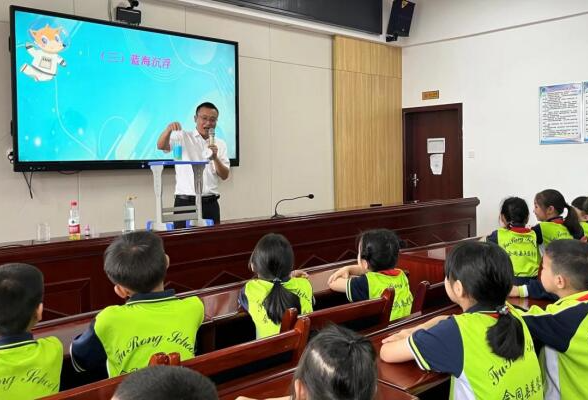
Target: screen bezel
{"points": [[24, 166]]}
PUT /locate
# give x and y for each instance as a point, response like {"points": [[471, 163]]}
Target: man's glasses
{"points": [[206, 118]]}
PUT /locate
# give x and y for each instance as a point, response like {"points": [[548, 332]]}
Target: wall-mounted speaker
{"points": [[400, 19]]}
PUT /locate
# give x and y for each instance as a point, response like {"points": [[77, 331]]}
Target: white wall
{"points": [[435, 20], [286, 129], [496, 76]]}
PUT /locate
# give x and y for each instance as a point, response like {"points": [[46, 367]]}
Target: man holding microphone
{"points": [[200, 144]]}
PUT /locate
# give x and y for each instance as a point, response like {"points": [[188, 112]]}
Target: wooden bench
{"points": [[367, 314], [279, 384], [291, 343], [430, 297]]}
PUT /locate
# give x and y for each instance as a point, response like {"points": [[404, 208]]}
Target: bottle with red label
{"points": [[74, 221]]}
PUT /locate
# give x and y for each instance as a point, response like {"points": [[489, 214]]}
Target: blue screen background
{"points": [[102, 106]]}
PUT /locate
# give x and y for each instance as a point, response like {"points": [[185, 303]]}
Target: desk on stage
{"points": [[210, 256]]}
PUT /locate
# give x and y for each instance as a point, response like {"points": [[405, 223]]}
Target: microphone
{"points": [[276, 215], [211, 136]]}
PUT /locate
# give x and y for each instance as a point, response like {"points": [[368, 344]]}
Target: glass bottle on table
{"points": [[74, 221], [129, 215]]}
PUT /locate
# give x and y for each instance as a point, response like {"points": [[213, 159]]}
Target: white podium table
{"points": [[165, 215]]}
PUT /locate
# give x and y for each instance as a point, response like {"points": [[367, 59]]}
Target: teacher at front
{"points": [[196, 146]]}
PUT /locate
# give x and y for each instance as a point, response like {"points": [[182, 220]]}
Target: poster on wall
{"points": [[585, 84], [560, 113]]}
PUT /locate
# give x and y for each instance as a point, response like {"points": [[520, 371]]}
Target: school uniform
{"points": [[458, 346], [29, 368], [547, 232], [254, 293], [520, 243], [562, 331], [125, 337], [552, 229], [584, 226], [372, 284]]}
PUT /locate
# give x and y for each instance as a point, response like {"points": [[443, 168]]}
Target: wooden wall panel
{"points": [[351, 55], [367, 98]]}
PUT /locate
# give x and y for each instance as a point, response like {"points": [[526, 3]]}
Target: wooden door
{"points": [[434, 122]]}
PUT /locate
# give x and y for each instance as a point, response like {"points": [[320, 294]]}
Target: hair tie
{"points": [[502, 310], [276, 281]]}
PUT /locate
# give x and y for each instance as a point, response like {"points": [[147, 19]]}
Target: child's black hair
{"points": [[136, 261], [21, 292], [515, 211], [551, 197], [338, 364], [581, 203], [486, 274], [163, 382], [273, 260], [379, 248], [569, 258]]}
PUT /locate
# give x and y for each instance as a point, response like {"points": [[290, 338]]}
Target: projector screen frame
{"points": [[30, 166]]}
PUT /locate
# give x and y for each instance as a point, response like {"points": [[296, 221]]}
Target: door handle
{"points": [[414, 179]]}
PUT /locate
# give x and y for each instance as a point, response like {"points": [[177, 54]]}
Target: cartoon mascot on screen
{"points": [[46, 56]]}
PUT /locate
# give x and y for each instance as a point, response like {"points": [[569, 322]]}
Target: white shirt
{"points": [[195, 148]]}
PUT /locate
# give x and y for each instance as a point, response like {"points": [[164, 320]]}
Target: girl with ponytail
{"points": [[487, 349], [519, 242], [276, 286], [549, 208], [337, 364]]}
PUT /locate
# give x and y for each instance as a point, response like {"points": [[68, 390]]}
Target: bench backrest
{"points": [[378, 309], [429, 297]]}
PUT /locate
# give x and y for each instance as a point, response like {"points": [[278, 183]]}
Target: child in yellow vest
{"points": [[123, 338], [337, 364], [377, 255], [276, 286], [519, 242], [29, 368], [549, 207], [487, 349], [562, 328], [580, 204]]}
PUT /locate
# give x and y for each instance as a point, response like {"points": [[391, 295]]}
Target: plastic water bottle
{"points": [[74, 221], [129, 215]]}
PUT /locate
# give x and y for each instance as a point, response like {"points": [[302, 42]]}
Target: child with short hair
{"points": [[152, 320], [580, 204], [337, 364], [562, 328], [487, 349], [276, 286], [163, 382], [29, 368], [376, 270]]}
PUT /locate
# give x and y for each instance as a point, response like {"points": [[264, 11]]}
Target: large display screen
{"points": [[90, 94]]}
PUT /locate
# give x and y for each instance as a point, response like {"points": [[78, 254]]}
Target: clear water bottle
{"points": [[129, 215], [74, 221]]}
